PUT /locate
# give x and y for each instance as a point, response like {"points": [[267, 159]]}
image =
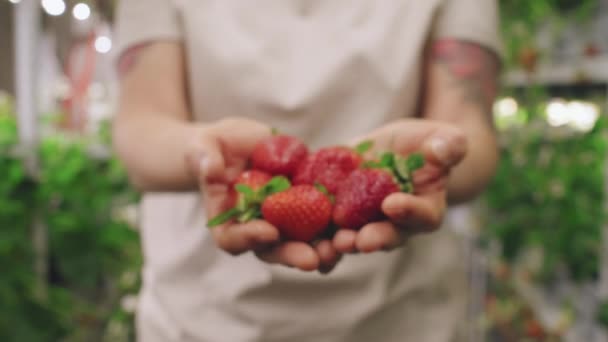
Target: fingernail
{"points": [[442, 151]]}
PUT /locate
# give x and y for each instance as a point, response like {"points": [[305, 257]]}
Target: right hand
{"points": [[216, 157]]}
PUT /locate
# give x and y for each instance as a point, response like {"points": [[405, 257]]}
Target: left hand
{"points": [[444, 146]]}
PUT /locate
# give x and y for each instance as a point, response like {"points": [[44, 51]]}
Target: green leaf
{"points": [[321, 188], [387, 160], [223, 218], [364, 146], [276, 184], [415, 162], [244, 189], [275, 131]]}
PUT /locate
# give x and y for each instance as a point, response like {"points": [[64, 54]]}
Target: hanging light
{"points": [[81, 11], [557, 112], [54, 7], [103, 44], [14, 1], [506, 107], [583, 115]]}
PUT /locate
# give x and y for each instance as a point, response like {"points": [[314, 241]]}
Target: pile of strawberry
{"points": [[307, 194]]}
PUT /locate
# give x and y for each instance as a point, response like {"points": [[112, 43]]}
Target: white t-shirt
{"points": [[326, 71]]}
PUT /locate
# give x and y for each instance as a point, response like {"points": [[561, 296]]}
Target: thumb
{"points": [[212, 162], [206, 160], [447, 146]]}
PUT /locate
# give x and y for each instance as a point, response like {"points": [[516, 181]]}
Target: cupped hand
{"points": [[443, 146], [218, 155]]}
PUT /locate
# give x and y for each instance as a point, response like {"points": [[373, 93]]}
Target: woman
{"points": [[202, 82]]}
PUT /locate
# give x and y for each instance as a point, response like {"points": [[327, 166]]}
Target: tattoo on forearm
{"points": [[129, 58], [473, 68]]}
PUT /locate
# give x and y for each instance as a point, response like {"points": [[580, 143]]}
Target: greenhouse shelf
{"points": [[589, 70]]}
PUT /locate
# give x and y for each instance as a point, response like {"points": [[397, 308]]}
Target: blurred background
{"points": [[69, 250]]}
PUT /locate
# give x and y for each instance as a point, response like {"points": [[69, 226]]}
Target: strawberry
{"points": [[251, 192], [359, 198], [328, 166], [279, 155], [254, 179], [300, 213]]}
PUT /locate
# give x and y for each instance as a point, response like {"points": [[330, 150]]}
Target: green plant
{"points": [[548, 194], [94, 253], [521, 20]]}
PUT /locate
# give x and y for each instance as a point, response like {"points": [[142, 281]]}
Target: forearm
{"points": [[462, 82], [153, 148], [472, 175]]}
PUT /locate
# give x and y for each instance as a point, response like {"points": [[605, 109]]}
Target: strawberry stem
{"points": [[401, 168]]}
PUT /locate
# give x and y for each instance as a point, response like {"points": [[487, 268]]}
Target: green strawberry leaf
{"points": [[415, 161], [321, 188], [402, 169], [275, 131], [364, 146], [324, 190], [276, 184], [223, 218], [387, 160], [245, 190]]}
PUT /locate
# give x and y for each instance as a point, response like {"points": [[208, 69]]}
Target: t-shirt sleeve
{"points": [[475, 21], [142, 21]]}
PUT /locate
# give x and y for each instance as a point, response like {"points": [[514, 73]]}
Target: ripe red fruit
{"points": [[329, 167], [300, 213], [254, 179], [279, 155], [359, 198]]}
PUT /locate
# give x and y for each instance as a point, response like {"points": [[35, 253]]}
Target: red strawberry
{"points": [[329, 167], [300, 213], [279, 155], [359, 198], [254, 179]]}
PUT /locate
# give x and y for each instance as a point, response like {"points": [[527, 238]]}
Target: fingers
{"points": [[239, 136], [447, 146], [220, 143], [293, 254], [205, 159], [441, 143], [415, 213], [345, 241], [379, 236], [238, 238], [408, 215], [328, 256]]}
